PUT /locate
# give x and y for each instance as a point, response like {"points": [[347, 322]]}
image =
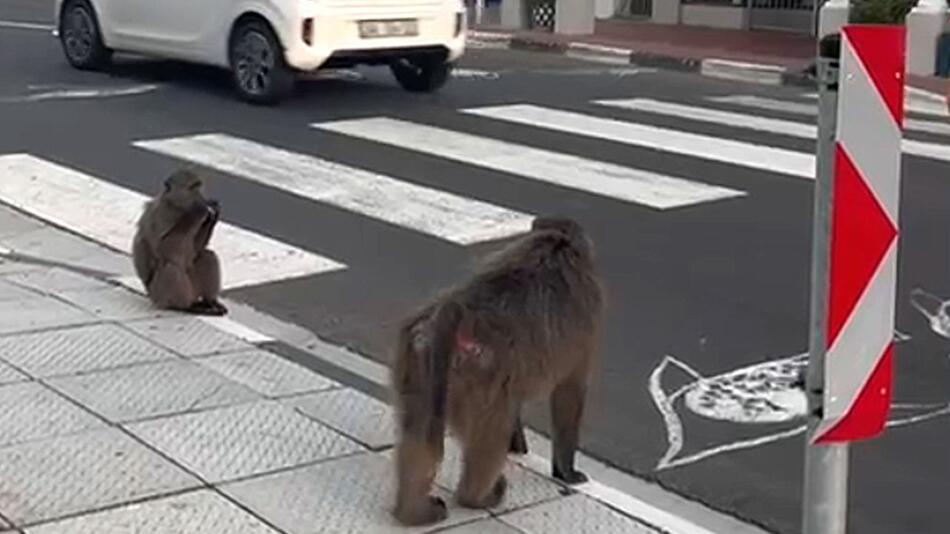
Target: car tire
{"points": [[81, 38], [422, 74], [260, 71]]}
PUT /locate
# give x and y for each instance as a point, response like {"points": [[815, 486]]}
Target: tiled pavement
{"points": [[121, 419]]}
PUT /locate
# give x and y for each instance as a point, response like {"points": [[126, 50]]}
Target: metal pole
{"points": [[825, 500]]}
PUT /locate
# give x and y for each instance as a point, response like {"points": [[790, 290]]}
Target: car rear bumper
{"points": [[336, 37]]}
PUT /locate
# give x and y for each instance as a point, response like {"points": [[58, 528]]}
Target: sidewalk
{"points": [[757, 56], [123, 419]]}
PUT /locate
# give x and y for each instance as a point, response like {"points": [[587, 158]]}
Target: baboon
{"points": [[525, 326], [170, 249]]}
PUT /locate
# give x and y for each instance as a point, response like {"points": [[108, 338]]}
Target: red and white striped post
{"points": [[854, 274]]}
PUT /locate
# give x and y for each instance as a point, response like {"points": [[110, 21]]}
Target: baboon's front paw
{"points": [[438, 511], [571, 478], [219, 308], [498, 492], [518, 444], [432, 511]]}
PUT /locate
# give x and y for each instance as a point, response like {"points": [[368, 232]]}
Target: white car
{"points": [[265, 42]]}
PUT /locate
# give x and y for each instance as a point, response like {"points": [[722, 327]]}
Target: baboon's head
{"points": [[184, 190], [568, 228]]}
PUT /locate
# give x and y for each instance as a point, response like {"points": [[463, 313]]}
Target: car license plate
{"points": [[388, 28]]}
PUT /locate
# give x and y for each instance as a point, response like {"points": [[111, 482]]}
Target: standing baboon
{"points": [[525, 326], [170, 247]]}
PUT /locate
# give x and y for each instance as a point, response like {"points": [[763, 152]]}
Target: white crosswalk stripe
{"points": [[751, 155], [106, 213], [429, 211], [797, 108], [754, 122], [605, 179]]}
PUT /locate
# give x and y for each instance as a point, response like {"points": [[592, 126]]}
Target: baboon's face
{"points": [[185, 191]]}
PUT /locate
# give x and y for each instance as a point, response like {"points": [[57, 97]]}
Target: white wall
{"points": [[714, 16]]}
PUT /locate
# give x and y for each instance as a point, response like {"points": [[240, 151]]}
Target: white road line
{"points": [[754, 122], [934, 127], [770, 104], [16, 25], [797, 108], [711, 148], [727, 118], [437, 213], [106, 213], [76, 94], [632, 185]]}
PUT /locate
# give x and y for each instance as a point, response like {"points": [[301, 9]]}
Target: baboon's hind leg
{"points": [[485, 450], [207, 281], [519, 443], [171, 288], [417, 460], [567, 409]]}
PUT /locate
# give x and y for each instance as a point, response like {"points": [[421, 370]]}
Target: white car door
{"points": [[170, 27]]}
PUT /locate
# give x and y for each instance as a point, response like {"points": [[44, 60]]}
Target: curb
{"points": [[759, 73]]}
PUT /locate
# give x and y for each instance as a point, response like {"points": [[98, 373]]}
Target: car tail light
{"points": [[459, 23], [308, 31]]}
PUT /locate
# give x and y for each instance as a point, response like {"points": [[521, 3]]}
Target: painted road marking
{"points": [[797, 108], [107, 213], [754, 122], [727, 118], [751, 155], [76, 94], [437, 213], [17, 25], [632, 185]]}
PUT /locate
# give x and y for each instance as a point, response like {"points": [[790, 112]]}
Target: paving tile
{"points": [[8, 267], [114, 304], [38, 313], [13, 223], [352, 413], [78, 350], [54, 280], [49, 479], [243, 440], [53, 244], [189, 336], [10, 291], [199, 512], [525, 487], [575, 515], [485, 526], [356, 491], [9, 374], [32, 411], [151, 390], [268, 374]]}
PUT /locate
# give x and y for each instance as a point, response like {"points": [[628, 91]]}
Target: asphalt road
{"points": [[716, 285]]}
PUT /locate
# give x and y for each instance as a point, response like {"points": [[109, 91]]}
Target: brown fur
{"points": [[524, 327], [170, 250]]}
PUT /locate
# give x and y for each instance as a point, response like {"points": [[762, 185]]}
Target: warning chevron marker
{"points": [[864, 235]]}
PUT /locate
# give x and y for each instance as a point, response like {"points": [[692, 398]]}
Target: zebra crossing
{"points": [[102, 211]]}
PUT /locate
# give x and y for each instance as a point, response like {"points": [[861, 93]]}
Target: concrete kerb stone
{"points": [[713, 67]]}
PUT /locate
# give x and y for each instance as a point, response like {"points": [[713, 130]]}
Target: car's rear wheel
{"points": [[261, 74], [422, 74], [81, 38]]}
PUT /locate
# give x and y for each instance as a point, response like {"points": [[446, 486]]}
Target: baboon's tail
{"points": [[444, 338]]}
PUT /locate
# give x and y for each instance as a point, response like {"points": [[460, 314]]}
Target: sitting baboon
{"points": [[170, 250], [524, 327]]}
